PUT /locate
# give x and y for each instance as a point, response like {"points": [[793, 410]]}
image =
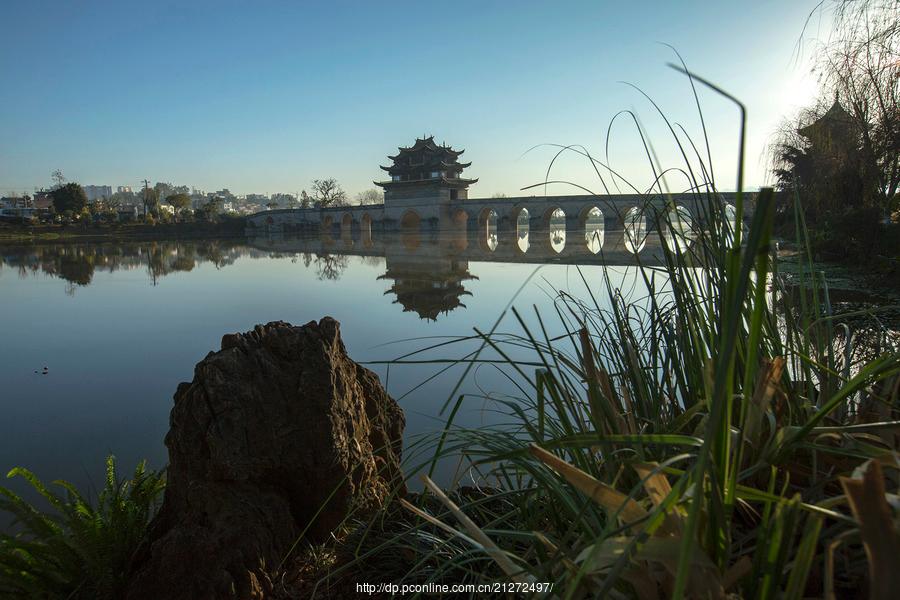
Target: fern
{"points": [[76, 548]]}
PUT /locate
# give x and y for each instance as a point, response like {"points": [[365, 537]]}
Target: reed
{"points": [[719, 435]]}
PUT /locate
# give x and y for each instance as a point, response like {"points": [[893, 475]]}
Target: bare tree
{"points": [[328, 192], [330, 267], [370, 196], [58, 179]]}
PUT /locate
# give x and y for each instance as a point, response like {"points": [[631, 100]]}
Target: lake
{"points": [[118, 325]]}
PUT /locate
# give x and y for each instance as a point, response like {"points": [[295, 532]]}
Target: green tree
{"points": [[69, 197], [178, 202], [211, 209]]}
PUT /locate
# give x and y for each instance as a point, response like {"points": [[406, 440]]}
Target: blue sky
{"points": [[264, 96]]}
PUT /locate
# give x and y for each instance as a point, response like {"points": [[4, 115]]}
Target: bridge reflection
{"points": [[550, 242], [427, 270]]}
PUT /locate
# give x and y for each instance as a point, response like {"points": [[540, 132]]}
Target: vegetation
{"points": [[179, 202], [843, 154], [69, 198], [723, 434], [370, 196], [327, 192], [78, 548]]}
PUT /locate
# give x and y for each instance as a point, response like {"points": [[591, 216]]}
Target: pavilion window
{"points": [[435, 174]]}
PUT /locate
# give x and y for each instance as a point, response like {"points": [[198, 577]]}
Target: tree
{"points": [[120, 198], [328, 192], [859, 68], [370, 196], [69, 197], [163, 190], [178, 202], [305, 200], [58, 179], [151, 201], [211, 209], [271, 205]]}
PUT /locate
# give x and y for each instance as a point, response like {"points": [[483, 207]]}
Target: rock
{"points": [[274, 426]]}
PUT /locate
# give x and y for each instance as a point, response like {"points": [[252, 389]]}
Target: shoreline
{"points": [[55, 234]]}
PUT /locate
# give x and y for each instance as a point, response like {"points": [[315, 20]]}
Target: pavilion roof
{"points": [[836, 116], [453, 182]]}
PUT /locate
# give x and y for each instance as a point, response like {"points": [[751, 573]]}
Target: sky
{"points": [[264, 96]]}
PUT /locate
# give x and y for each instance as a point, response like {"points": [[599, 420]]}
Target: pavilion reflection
{"points": [[430, 287]]}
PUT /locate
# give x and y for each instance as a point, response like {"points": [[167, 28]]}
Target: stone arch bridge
{"points": [[497, 218]]}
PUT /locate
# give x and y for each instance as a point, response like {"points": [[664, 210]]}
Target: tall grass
{"points": [[77, 548], [709, 439]]}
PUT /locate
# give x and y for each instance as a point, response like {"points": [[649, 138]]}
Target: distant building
{"points": [[96, 192], [15, 202], [128, 212], [16, 209], [43, 204], [124, 189], [43, 200]]}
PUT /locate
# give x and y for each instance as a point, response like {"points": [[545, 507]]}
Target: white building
{"points": [[96, 192]]}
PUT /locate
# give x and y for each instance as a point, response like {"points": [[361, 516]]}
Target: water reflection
{"points": [[77, 263], [426, 269], [428, 288]]}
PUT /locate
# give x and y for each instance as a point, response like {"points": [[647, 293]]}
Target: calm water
{"points": [[118, 326]]}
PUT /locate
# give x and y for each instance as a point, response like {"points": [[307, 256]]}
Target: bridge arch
{"points": [[347, 229], [730, 222], [553, 225], [365, 230], [487, 229], [459, 229], [327, 225], [677, 230], [635, 226], [523, 226], [410, 229], [592, 225]]}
